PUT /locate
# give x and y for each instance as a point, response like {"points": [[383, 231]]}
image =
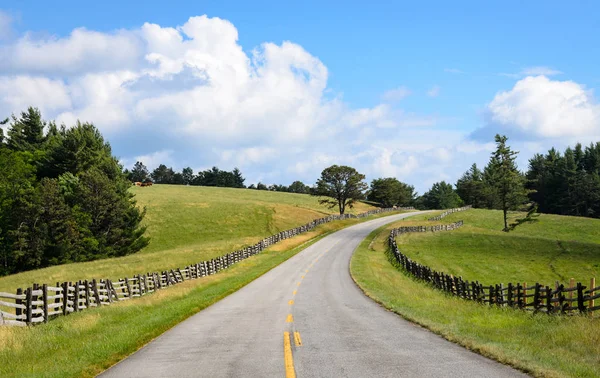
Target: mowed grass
{"points": [[188, 224], [86, 343], [556, 248], [544, 346]]}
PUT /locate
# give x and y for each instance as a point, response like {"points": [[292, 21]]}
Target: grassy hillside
{"points": [[545, 346], [556, 248], [189, 224], [85, 343]]}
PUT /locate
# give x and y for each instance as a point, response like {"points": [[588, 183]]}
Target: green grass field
{"points": [[545, 346], [556, 248], [188, 224], [84, 344]]}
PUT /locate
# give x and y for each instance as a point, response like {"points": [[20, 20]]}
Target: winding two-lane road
{"points": [[332, 329]]}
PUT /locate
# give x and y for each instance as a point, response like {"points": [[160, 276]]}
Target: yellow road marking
{"points": [[306, 271], [289, 319], [291, 302], [302, 276], [298, 284], [295, 291], [287, 356], [297, 339]]}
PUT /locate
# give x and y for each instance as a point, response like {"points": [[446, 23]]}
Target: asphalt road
{"points": [[332, 329]]}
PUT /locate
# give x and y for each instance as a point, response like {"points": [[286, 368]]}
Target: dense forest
{"points": [[63, 196]]}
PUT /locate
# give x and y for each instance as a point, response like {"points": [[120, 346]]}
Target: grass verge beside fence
{"points": [[86, 343], [549, 346]]}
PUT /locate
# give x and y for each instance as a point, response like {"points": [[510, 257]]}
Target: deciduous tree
{"points": [[341, 185]]}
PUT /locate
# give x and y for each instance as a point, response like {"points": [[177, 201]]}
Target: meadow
{"points": [[188, 224], [542, 345], [554, 248]]}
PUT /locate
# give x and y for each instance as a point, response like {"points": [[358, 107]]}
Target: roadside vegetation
{"points": [[187, 224], [548, 346], [86, 343]]}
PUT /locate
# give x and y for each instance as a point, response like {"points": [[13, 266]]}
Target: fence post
{"points": [[571, 286], [592, 287], [45, 300], [525, 295], [580, 304], [19, 311], [96, 293], [87, 293], [548, 300], [34, 298], [76, 297], [28, 305], [128, 287], [510, 295], [65, 287]]}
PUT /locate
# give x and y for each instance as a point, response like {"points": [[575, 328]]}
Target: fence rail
{"points": [[42, 302], [555, 299], [448, 212]]}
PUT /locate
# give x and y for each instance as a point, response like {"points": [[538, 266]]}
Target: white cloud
{"points": [[152, 160], [540, 107], [397, 94], [540, 70], [434, 91], [82, 51], [454, 71], [532, 71], [19, 92], [191, 96]]}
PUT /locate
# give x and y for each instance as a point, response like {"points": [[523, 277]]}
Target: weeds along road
{"points": [[305, 318]]}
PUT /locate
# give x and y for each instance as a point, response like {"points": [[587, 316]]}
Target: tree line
{"points": [[63, 196], [164, 175], [556, 183]]}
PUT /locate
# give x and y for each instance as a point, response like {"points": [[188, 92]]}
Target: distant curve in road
{"points": [[305, 318]]}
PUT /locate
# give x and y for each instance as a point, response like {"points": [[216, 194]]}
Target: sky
{"points": [[281, 90]]}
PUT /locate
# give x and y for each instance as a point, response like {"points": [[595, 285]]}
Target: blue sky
{"points": [[393, 89]]}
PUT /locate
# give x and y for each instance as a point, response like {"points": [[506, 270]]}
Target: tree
{"points": [[162, 175], [441, 196], [27, 132], [63, 197], [298, 187], [342, 184], [261, 186], [390, 192], [139, 172], [188, 176], [471, 187], [238, 179], [506, 179]]}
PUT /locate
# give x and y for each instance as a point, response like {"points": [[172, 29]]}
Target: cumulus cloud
{"points": [[541, 107], [190, 95]]}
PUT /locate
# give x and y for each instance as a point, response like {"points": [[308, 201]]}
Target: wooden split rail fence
{"points": [[40, 303], [448, 212], [555, 299]]}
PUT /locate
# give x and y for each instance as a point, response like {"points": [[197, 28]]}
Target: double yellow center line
{"points": [[288, 357]]}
